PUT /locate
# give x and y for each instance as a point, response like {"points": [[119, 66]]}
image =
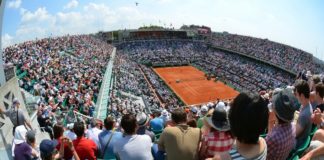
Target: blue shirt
{"points": [[104, 137], [157, 124]]}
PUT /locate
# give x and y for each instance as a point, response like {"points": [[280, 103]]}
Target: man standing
{"points": [[16, 115], [108, 138], [304, 124], [85, 148], [132, 146], [25, 150], [94, 131], [180, 141]]}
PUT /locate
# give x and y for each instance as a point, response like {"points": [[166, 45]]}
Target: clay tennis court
{"points": [[192, 86]]}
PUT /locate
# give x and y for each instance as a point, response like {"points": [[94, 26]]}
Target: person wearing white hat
{"points": [[203, 112], [19, 137], [16, 115]]}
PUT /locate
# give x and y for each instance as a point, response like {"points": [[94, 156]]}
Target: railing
{"points": [[9, 72]]}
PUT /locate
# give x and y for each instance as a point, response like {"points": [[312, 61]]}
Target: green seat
{"points": [[22, 75], [298, 152], [314, 129], [263, 135]]}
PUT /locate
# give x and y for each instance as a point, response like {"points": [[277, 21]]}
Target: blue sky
{"points": [[299, 23]]}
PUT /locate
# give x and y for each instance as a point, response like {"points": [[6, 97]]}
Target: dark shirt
{"points": [[321, 107], [142, 130], [23, 151]]}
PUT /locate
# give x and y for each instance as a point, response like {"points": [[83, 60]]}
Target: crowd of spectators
{"points": [[65, 72], [279, 54]]}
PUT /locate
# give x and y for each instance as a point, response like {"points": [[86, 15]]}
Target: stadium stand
{"points": [[67, 74]]}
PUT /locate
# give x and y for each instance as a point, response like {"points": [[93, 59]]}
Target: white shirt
{"points": [[71, 135], [135, 147], [93, 134]]}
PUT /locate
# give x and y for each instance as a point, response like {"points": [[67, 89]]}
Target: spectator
{"points": [[94, 131], [304, 124], [69, 132], [248, 118], [107, 139], [19, 137], [58, 131], [49, 152], [142, 121], [44, 122], [132, 146], [16, 115], [156, 124], [219, 139], [281, 139], [203, 112], [85, 148], [180, 141], [319, 96], [165, 116], [26, 150]]}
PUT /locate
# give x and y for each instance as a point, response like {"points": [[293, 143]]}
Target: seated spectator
{"points": [[219, 139], [203, 112], [94, 131], [107, 139], [281, 139], [142, 121], [180, 141], [44, 122], [58, 135], [132, 146], [156, 124], [85, 148], [304, 124], [248, 118], [26, 150], [319, 96]]}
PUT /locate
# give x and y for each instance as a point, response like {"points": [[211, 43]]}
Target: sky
{"points": [[298, 23]]}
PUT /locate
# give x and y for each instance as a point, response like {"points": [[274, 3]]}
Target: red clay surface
{"points": [[193, 87]]}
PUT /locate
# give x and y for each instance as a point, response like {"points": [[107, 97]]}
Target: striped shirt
{"points": [[235, 155]]}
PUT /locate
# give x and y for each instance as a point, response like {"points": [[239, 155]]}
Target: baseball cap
{"points": [[204, 108], [47, 147]]}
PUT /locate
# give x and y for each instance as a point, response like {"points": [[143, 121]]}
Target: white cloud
{"points": [[6, 40], [71, 4], [14, 4]]}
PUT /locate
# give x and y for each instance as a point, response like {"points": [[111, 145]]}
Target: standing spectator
{"points": [[281, 139], [180, 141], [142, 121], [94, 131], [69, 132], [19, 137], [156, 124], [165, 116], [26, 150], [132, 146], [85, 148], [304, 124], [16, 115], [107, 139], [58, 131], [48, 149], [219, 139], [248, 118], [203, 112]]}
